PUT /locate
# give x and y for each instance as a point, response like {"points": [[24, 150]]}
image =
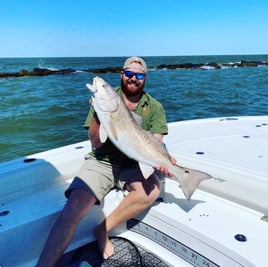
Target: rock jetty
{"points": [[192, 66]]}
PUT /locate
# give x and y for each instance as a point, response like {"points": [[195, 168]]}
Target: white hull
{"points": [[225, 223]]}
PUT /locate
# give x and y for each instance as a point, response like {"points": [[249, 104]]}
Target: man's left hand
{"points": [[164, 169]]}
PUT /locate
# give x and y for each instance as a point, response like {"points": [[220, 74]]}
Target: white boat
{"points": [[224, 224]]}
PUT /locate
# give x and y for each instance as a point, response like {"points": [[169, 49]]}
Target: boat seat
{"points": [[28, 213], [24, 177]]}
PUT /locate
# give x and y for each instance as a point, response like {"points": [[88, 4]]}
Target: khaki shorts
{"points": [[99, 177]]}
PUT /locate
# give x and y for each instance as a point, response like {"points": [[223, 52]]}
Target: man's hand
{"points": [[164, 169]]}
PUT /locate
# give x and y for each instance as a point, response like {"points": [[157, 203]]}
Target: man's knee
{"points": [[78, 204], [154, 194], [153, 187], [152, 191]]}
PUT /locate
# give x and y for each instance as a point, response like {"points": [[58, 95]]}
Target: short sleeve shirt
{"points": [[153, 120]]}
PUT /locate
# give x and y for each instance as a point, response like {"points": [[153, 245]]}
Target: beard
{"points": [[132, 87]]}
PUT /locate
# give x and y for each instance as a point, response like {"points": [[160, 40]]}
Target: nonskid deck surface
{"points": [[236, 143], [234, 151]]}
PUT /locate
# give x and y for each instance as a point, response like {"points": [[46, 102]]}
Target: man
{"points": [[107, 167]]}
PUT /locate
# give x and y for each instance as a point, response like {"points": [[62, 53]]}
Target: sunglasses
{"points": [[130, 74]]}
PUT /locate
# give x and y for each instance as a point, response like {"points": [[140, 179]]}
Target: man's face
{"points": [[132, 81]]}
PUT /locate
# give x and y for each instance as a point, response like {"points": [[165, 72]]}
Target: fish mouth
{"points": [[91, 87], [97, 83]]}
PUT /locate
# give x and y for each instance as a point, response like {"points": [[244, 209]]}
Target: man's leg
{"points": [[77, 206], [141, 196]]}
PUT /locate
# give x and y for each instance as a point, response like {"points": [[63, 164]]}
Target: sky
{"points": [[89, 28]]}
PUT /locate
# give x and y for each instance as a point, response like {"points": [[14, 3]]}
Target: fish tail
{"points": [[189, 179]]}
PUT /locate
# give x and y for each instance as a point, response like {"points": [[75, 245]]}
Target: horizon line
{"points": [[125, 56]]}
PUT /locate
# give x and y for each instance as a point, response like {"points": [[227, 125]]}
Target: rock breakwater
{"points": [[192, 66]]}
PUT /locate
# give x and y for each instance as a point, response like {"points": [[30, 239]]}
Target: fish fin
{"points": [[189, 179], [146, 170], [102, 134]]}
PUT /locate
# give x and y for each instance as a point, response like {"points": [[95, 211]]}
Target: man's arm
{"points": [[160, 137], [163, 168], [93, 132]]}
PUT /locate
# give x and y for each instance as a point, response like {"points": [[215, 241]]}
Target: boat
{"points": [[224, 224]]}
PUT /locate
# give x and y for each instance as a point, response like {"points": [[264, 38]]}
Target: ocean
{"points": [[44, 112]]}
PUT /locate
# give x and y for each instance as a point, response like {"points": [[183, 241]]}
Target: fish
{"points": [[121, 126]]}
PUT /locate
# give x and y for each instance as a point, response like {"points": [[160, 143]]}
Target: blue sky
{"points": [[44, 28]]}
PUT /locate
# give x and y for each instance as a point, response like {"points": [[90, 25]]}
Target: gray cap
{"points": [[131, 63]]}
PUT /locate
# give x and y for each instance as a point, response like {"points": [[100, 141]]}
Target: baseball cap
{"points": [[131, 63]]}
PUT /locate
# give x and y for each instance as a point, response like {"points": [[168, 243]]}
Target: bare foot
{"points": [[105, 245]]}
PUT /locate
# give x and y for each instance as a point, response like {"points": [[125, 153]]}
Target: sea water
{"points": [[44, 112]]}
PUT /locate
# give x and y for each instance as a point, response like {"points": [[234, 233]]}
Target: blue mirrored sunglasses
{"points": [[130, 74]]}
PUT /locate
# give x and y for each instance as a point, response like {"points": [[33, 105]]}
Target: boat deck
{"points": [[233, 150], [224, 224]]}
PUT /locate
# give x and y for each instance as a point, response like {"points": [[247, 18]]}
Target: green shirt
{"points": [[153, 120]]}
